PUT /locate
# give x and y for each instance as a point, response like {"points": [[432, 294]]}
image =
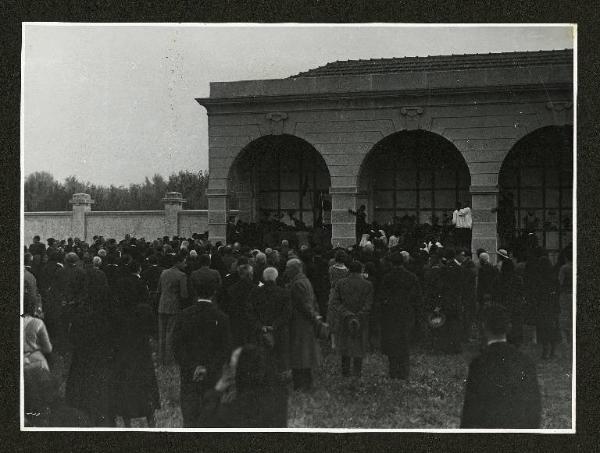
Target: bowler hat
{"points": [[503, 254]]}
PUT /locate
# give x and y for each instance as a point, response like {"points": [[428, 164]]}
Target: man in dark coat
{"points": [[468, 291], [486, 276], [94, 336], [204, 275], [151, 275], [452, 302], [353, 299], [271, 314], [235, 305], [202, 346], [502, 388], [72, 290], [136, 388], [304, 349], [400, 294]]}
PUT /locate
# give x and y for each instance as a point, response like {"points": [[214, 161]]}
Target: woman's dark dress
{"points": [[135, 391], [92, 335]]}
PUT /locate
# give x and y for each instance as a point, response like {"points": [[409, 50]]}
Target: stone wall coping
{"points": [[124, 213], [48, 213]]}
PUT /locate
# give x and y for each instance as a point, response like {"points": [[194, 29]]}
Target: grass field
{"points": [[432, 398]]}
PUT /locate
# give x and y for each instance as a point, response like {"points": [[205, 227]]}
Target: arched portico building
{"points": [[372, 120]]}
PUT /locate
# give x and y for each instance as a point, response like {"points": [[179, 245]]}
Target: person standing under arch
{"points": [[361, 221]]}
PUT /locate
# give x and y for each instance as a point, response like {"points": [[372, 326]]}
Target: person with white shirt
{"points": [[463, 223]]}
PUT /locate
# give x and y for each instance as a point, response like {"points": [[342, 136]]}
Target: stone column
{"points": [[82, 203], [483, 200], [173, 204], [218, 210], [343, 224]]}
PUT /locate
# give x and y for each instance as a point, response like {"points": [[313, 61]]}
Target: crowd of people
{"points": [[245, 326]]}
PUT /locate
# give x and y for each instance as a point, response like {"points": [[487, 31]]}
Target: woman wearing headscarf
{"points": [[135, 391], [92, 335]]}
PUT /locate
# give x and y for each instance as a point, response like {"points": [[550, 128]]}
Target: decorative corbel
{"points": [[411, 117], [276, 122]]}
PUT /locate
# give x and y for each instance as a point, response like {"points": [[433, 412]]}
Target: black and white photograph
{"points": [[298, 227]]}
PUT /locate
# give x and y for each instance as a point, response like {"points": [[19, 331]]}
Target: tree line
{"points": [[44, 193]]}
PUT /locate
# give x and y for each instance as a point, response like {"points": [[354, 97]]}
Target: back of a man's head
{"points": [[270, 274], [204, 260], [484, 258], [245, 272], [205, 289], [355, 267], [294, 264], [495, 320]]}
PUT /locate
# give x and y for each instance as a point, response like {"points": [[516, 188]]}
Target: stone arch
{"points": [[415, 173], [281, 174], [536, 190]]}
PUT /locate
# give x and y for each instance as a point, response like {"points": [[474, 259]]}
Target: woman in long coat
{"points": [[304, 349], [135, 392], [92, 335]]}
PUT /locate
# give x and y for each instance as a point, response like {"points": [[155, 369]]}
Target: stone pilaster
{"points": [[483, 200], [82, 203], [218, 210], [343, 224], [173, 202]]}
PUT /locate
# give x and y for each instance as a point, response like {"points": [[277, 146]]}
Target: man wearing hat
{"points": [[400, 295], [502, 388], [352, 298]]}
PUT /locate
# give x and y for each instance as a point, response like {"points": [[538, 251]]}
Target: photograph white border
{"points": [[572, 430]]}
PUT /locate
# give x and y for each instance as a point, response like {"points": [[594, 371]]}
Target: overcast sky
{"points": [[113, 104]]}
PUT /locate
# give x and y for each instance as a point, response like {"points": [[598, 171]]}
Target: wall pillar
{"points": [[343, 224], [173, 204], [82, 203], [218, 210], [484, 199]]}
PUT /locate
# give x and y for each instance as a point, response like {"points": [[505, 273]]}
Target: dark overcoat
{"points": [[235, 304], [304, 348], [502, 390], [271, 306], [400, 293], [135, 386], [93, 334], [509, 292], [353, 298]]}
